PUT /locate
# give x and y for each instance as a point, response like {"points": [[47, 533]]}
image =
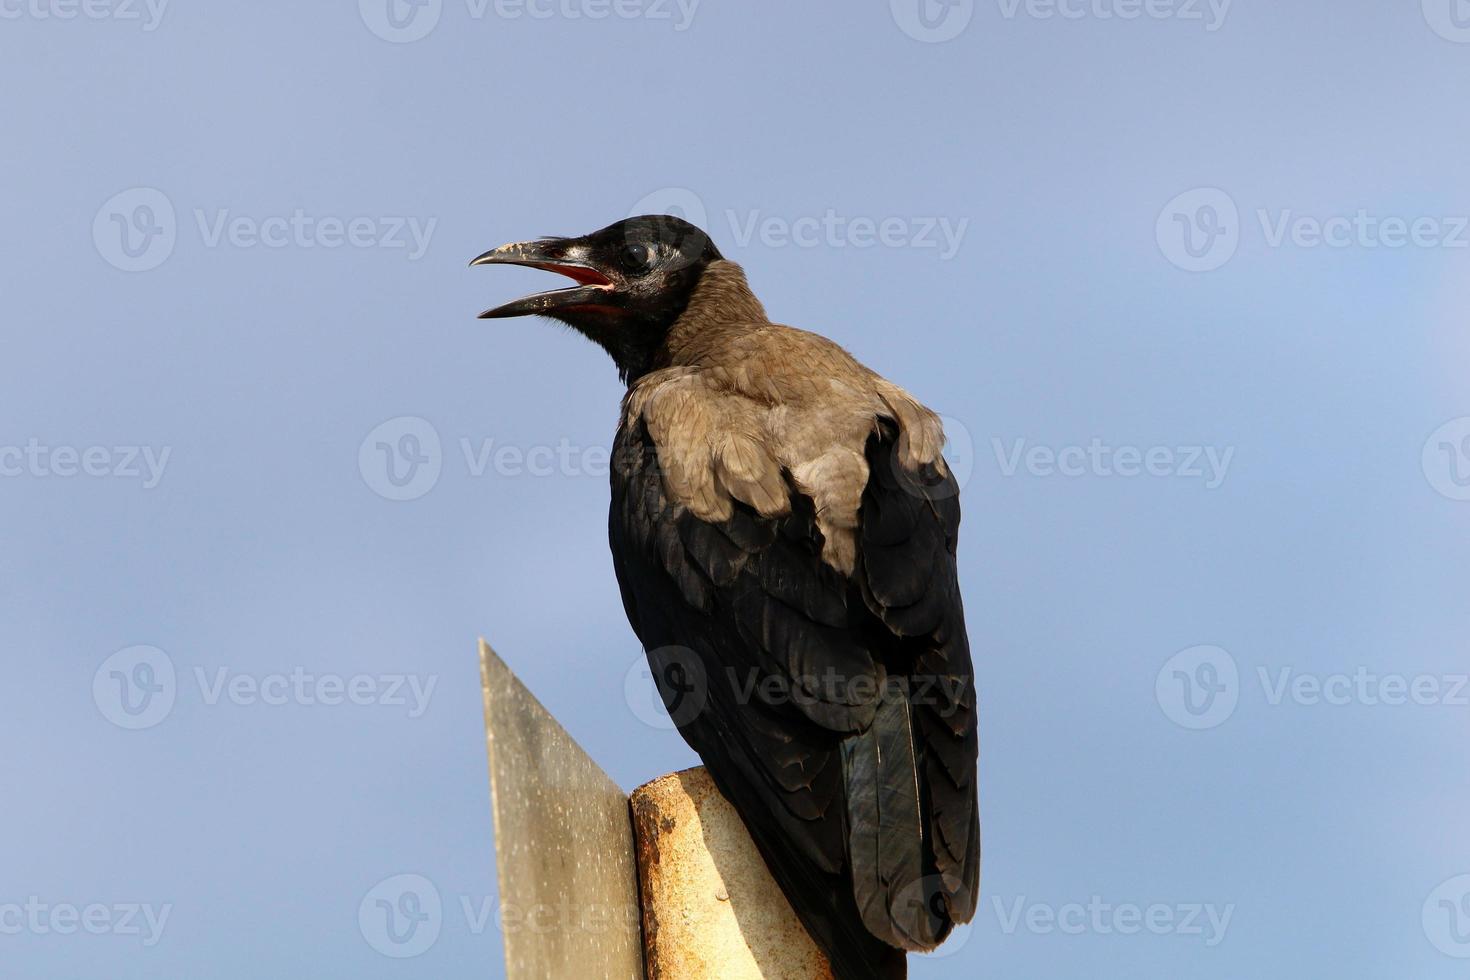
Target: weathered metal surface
{"points": [[563, 842], [711, 909]]}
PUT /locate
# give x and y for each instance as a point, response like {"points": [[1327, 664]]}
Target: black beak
{"points": [[564, 255]]}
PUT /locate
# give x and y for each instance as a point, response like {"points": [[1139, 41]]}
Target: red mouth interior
{"points": [[581, 274]]}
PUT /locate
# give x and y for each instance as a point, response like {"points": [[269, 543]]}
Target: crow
{"points": [[783, 528]]}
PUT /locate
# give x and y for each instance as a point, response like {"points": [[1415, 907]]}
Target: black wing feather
{"points": [[785, 681]]}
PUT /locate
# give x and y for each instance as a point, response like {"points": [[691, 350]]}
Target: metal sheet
{"points": [[563, 842]]}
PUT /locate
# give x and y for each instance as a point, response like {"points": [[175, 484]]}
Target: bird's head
{"points": [[633, 280]]}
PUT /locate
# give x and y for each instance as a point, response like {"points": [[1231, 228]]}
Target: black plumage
{"points": [[784, 533], [749, 600]]}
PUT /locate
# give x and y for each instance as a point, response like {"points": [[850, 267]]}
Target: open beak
{"points": [[554, 255]]}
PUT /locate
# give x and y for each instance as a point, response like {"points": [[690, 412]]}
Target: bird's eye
{"points": [[636, 257]]}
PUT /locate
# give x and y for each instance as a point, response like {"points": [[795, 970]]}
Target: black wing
{"points": [[836, 714]]}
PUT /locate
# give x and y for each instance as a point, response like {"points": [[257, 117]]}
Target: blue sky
{"points": [[1188, 280]]}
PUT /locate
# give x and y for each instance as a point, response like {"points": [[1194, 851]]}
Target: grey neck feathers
{"points": [[722, 300]]}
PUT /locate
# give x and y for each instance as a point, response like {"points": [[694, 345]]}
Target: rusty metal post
{"points": [[710, 907]]}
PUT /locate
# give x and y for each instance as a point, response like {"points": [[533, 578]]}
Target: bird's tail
{"points": [[879, 962], [832, 919], [831, 915]]}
